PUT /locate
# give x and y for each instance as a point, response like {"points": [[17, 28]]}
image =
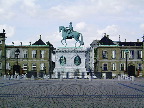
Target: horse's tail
{"points": [[81, 42]]}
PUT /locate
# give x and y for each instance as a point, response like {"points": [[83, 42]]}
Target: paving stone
{"points": [[71, 93]]}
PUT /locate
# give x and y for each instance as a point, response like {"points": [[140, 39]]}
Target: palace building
{"points": [[36, 57], [118, 57]]}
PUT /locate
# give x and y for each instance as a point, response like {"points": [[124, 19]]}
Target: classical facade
{"points": [[21, 59], [118, 57]]}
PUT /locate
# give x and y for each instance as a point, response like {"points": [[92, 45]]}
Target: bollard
{"points": [[4, 77], [133, 78], [18, 77], [119, 78], [32, 77], [75, 78], [24, 77], [45, 76], [61, 78], [90, 78]]}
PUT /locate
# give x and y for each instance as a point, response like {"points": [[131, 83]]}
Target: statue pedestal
{"points": [[70, 61]]}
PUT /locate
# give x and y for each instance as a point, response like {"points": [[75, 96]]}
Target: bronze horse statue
{"points": [[67, 34]]}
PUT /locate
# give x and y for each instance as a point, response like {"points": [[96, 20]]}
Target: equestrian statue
{"points": [[69, 33]]}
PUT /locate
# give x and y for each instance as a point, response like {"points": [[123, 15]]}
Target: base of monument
{"points": [[70, 75], [69, 61]]}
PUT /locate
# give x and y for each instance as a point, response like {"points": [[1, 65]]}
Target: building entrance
{"points": [[131, 70], [16, 69]]}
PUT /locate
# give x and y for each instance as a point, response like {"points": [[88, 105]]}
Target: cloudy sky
{"points": [[25, 20]]}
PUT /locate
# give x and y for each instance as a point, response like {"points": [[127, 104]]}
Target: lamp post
{"points": [[126, 53], [17, 52]]}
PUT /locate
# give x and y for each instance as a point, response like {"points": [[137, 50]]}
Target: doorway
{"points": [[16, 69], [131, 70]]}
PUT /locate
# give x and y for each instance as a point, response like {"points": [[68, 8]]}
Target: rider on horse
{"points": [[70, 28]]}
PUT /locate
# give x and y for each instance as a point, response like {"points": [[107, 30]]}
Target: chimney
{"points": [[119, 38], [125, 40], [21, 43], [137, 40], [104, 34]]}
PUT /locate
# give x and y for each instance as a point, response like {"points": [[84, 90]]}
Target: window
{"points": [[33, 66], [34, 53], [25, 54], [123, 54], [42, 66], [8, 53], [105, 68], [104, 54], [113, 66], [140, 67], [0, 53], [122, 66], [131, 54], [0, 65], [25, 66], [0, 41], [139, 54], [8, 66], [113, 54], [42, 53]]}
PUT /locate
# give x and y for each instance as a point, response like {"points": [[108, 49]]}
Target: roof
{"points": [[39, 42], [130, 43], [106, 41], [48, 43]]}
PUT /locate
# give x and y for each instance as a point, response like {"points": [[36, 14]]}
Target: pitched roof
{"points": [[48, 43], [106, 41], [39, 42]]}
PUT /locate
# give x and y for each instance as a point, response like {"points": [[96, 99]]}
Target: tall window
{"points": [[0, 53], [131, 54], [25, 66], [139, 54], [42, 53], [8, 53], [0, 41], [34, 66], [0, 65], [34, 53], [140, 66], [122, 66], [8, 66], [113, 54], [105, 67], [104, 54], [42, 66], [113, 66], [25, 54], [123, 54]]}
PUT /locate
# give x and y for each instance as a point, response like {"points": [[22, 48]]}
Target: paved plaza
{"points": [[71, 93]]}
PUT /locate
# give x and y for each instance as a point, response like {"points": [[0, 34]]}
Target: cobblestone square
{"points": [[71, 93]]}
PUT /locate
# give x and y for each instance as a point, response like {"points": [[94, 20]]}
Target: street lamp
{"points": [[126, 53], [17, 68], [17, 52]]}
